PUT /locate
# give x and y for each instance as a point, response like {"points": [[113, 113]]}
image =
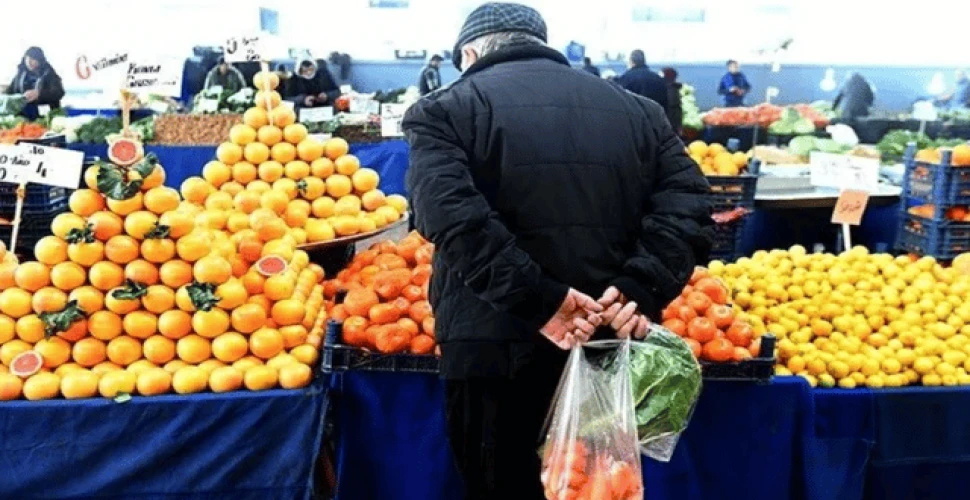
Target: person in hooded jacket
{"points": [[38, 82], [225, 75], [541, 189], [312, 86]]}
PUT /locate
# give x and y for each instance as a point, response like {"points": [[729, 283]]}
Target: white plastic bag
{"points": [[591, 451]]}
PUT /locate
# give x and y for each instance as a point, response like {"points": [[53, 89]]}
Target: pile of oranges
{"points": [[273, 178], [712, 327], [386, 303]]}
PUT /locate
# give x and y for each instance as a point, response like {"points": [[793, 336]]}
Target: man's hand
{"points": [[621, 315], [574, 322], [31, 95], [308, 101], [322, 97]]}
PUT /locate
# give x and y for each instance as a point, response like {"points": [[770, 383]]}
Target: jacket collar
{"points": [[516, 53]]}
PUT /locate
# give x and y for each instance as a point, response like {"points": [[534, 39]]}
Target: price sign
{"points": [[102, 68], [208, 106], [14, 164], [924, 111], [53, 166], [155, 76], [243, 49], [391, 117], [316, 115], [364, 104], [844, 172], [850, 206]]}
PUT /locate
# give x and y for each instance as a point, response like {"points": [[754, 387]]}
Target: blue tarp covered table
{"points": [[388, 158], [231, 446], [778, 441]]}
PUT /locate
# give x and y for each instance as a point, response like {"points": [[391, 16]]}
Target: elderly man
{"points": [[541, 189]]}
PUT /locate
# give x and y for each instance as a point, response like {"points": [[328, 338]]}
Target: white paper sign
{"points": [[53, 166], [391, 116], [924, 111], [14, 164], [316, 115], [243, 49], [207, 106], [155, 76], [105, 69], [844, 172], [364, 104]]}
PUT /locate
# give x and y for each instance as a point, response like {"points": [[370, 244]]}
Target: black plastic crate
{"points": [[56, 141], [940, 184], [942, 239], [727, 240], [759, 369], [338, 358], [39, 199], [732, 191], [32, 229]]}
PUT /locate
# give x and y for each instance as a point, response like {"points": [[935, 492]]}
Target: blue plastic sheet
{"points": [[231, 446]]}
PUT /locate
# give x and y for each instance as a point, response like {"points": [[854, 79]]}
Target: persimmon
{"points": [[421, 274], [699, 302], [427, 326], [359, 302], [355, 331], [713, 289], [740, 334], [391, 340], [389, 284], [338, 312], [695, 347], [740, 354], [676, 326], [722, 316], [389, 261], [423, 254], [413, 293], [384, 313], [142, 271], [701, 329], [718, 350], [422, 345]]}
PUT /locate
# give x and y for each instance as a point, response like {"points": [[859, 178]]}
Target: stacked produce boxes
{"points": [[731, 194], [936, 195], [41, 205]]}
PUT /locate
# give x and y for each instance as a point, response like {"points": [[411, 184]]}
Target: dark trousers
{"points": [[495, 427]]}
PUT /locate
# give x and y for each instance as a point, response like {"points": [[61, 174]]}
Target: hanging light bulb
{"points": [[828, 83], [937, 85]]}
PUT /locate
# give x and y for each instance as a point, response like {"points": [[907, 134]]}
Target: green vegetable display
{"points": [[96, 130], [892, 146], [692, 113]]}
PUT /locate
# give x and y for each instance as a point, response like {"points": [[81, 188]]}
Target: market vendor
{"points": [[37, 81], [855, 98], [430, 79], [588, 206], [733, 85], [225, 75], [312, 86]]}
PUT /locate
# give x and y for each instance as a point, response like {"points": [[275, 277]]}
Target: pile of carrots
{"points": [[22, 131]]}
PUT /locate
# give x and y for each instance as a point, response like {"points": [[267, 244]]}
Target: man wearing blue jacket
{"points": [[733, 86]]}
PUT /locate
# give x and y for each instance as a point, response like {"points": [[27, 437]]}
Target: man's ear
{"points": [[468, 57]]}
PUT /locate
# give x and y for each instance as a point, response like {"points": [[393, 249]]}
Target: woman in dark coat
{"points": [[38, 82]]}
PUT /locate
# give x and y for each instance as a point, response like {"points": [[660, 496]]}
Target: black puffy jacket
{"points": [[531, 177], [643, 82]]}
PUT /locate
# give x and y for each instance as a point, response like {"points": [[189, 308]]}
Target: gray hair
{"points": [[486, 44]]}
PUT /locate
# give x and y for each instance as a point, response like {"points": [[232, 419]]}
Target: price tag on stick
{"points": [[14, 164], [848, 211], [243, 49]]}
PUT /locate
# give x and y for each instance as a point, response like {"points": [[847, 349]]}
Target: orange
{"points": [[323, 207], [273, 200], [246, 202], [11, 349], [297, 169], [158, 299], [15, 302], [266, 80], [309, 149], [305, 353], [255, 117], [175, 324], [105, 367], [32, 276], [158, 251], [225, 379], [121, 249], [31, 328], [229, 153], [193, 349], [244, 172], [339, 185], [211, 323], [175, 273], [211, 364], [295, 133], [347, 165], [7, 270], [49, 299], [42, 385], [256, 153], [158, 349], [192, 247], [373, 199], [348, 205], [189, 380], [89, 352], [282, 116], [141, 271], [271, 229], [140, 366], [293, 335], [253, 281], [106, 275], [155, 179], [278, 287], [86, 254], [271, 171], [287, 186], [114, 383], [161, 199], [50, 250], [105, 225], [267, 99], [105, 325], [7, 329], [126, 206], [398, 202], [322, 167], [85, 202], [313, 188], [259, 186], [179, 223], [365, 179], [288, 312], [55, 351], [212, 269], [961, 155], [184, 300], [230, 347], [153, 381], [217, 173], [242, 134], [140, 324], [250, 249], [65, 222], [174, 365], [218, 201], [260, 378], [196, 189], [335, 148], [270, 135], [11, 387], [120, 306], [266, 343], [294, 376]]}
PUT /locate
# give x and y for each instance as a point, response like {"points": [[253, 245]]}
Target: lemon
{"points": [[875, 381], [847, 383]]}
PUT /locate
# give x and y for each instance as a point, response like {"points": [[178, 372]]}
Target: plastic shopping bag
{"points": [[591, 450]]}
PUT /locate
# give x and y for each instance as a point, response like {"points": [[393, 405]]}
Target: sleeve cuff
{"points": [[633, 290], [542, 304]]}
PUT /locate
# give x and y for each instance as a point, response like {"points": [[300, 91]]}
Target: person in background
{"points": [[589, 68], [283, 75], [855, 98], [959, 97], [38, 82], [675, 110], [530, 224], [430, 79], [312, 86], [643, 82], [225, 75], [733, 85]]}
